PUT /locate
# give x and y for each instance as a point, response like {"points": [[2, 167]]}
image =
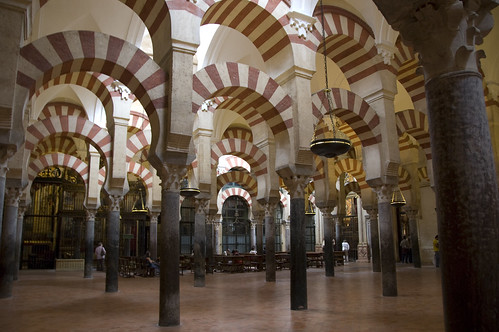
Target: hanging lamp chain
{"points": [[327, 90]]}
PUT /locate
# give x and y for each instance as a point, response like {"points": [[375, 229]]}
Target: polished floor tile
{"points": [[350, 301]]}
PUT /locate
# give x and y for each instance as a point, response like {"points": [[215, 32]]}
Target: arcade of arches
{"points": [[183, 127]]}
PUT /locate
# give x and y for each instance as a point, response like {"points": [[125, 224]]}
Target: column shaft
{"points": [[199, 245], [298, 255], [112, 250], [19, 239], [467, 201], [89, 245], [270, 264], [388, 265], [328, 244]]}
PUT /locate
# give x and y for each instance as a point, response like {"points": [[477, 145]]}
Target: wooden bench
{"points": [[338, 258], [315, 259]]}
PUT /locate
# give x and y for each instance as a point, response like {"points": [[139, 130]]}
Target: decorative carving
{"points": [[173, 177], [386, 52], [21, 210], [296, 185], [153, 217], [12, 196], [91, 214], [202, 205], [373, 213], [302, 23], [384, 192], [121, 89], [114, 202], [444, 34]]}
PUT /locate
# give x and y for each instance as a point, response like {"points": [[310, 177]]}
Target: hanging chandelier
{"points": [[186, 189], [398, 199], [334, 142]]}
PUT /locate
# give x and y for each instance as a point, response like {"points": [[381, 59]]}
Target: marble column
{"points": [[337, 232], [217, 230], [253, 233], [153, 235], [467, 196], [259, 233], [387, 247], [210, 220], [287, 234], [296, 185], [200, 242], [375, 251], [169, 287], [89, 243], [412, 214], [270, 263], [6, 152], [19, 238], [8, 245], [113, 243], [328, 241]]}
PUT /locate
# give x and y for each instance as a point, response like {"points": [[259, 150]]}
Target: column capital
{"points": [[153, 217], [114, 202], [411, 212], [302, 23], [444, 33], [372, 212], [12, 196], [202, 205], [173, 176], [384, 192], [91, 214], [296, 185]]}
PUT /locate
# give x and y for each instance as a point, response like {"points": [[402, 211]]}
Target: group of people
{"points": [[405, 250], [100, 255]]}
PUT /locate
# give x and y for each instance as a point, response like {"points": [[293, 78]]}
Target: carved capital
{"points": [[444, 33], [386, 52], [21, 210], [373, 213], [122, 90], [296, 185], [91, 214], [411, 212], [384, 192], [173, 177], [12, 196], [153, 217], [302, 23], [202, 205], [114, 202]]}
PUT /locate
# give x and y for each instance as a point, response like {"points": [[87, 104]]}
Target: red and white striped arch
{"points": [[138, 122], [69, 126], [242, 149], [142, 172], [154, 14], [240, 177], [354, 168], [253, 87], [235, 192], [406, 64], [404, 179], [284, 199], [53, 144], [262, 22], [57, 159], [319, 164], [61, 109], [79, 51], [102, 177], [241, 133], [415, 124], [243, 108], [136, 143], [350, 43], [353, 110]]}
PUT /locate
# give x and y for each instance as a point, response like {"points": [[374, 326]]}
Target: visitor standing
{"points": [[345, 247], [100, 254]]}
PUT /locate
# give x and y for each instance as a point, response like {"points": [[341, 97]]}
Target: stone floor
{"points": [[46, 300]]}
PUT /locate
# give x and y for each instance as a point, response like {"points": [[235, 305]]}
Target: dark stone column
{"points": [[8, 245], [387, 248], [113, 243], [200, 242], [467, 201], [375, 251], [19, 238], [89, 244], [296, 186], [153, 235], [337, 227], [270, 264], [3, 173], [169, 287], [412, 214], [259, 233], [209, 241], [328, 241]]}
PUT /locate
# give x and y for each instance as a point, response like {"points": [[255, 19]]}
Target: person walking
{"points": [[405, 247], [345, 247], [100, 254]]}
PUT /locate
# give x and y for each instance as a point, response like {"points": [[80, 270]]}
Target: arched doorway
{"points": [[235, 225]]}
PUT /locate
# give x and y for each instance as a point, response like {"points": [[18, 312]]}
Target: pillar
{"points": [[412, 214], [467, 196], [375, 251], [210, 220], [270, 263], [296, 185], [328, 241], [153, 235], [201, 205], [89, 243], [6, 152], [217, 230], [169, 287], [19, 238], [253, 233], [113, 243], [337, 231], [387, 247], [259, 233], [8, 245]]}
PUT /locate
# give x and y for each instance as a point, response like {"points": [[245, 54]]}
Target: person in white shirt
{"points": [[100, 254], [345, 247]]}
